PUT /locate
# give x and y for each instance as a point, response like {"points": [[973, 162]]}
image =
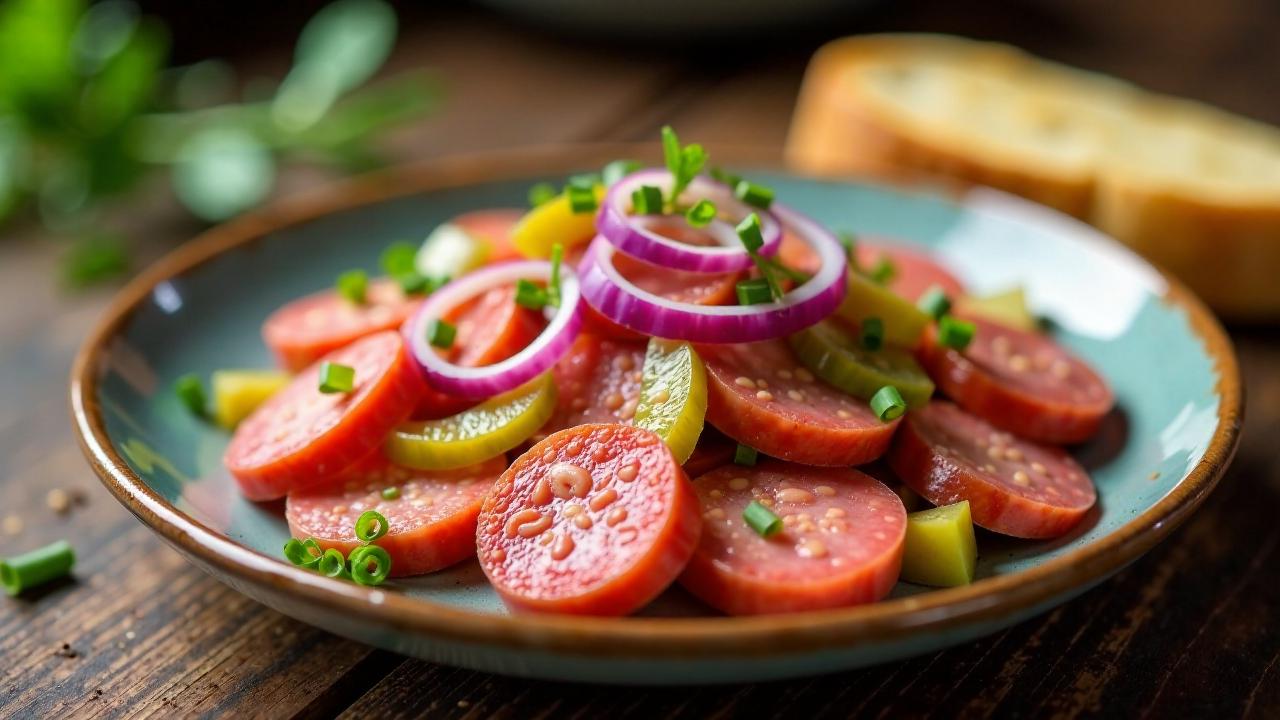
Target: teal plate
{"points": [[200, 309]]}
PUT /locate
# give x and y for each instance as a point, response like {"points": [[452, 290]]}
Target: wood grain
{"points": [[1192, 630]]}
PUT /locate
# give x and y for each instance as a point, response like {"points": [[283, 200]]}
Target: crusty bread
{"points": [[1195, 189]]}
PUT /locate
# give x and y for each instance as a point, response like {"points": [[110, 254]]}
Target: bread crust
{"points": [[1225, 245]]}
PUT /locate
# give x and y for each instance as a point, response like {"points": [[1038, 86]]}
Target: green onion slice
{"points": [[753, 194], [365, 555], [553, 287], [883, 272], [370, 526], [646, 200], [761, 519], [749, 232], [955, 333], [530, 296], [753, 292], [934, 302], [335, 378], [391, 493], [332, 564], [398, 259], [353, 285], [887, 404], [541, 193], [42, 565], [582, 198], [701, 214], [190, 390], [745, 455], [872, 333], [441, 333], [303, 553]]}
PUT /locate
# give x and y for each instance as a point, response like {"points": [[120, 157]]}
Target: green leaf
{"points": [[222, 171], [37, 80], [126, 81], [103, 31], [94, 259], [340, 48], [371, 109]]}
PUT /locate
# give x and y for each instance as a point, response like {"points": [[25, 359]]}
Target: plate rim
{"points": [[893, 620]]}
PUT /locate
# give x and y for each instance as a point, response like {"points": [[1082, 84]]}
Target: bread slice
{"points": [[1195, 189]]}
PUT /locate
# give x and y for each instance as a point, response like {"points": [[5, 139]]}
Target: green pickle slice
{"points": [[904, 323], [940, 549], [673, 395], [476, 434], [835, 356]]}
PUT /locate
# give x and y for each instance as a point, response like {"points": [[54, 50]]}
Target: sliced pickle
{"points": [[904, 323], [673, 395], [835, 356]]}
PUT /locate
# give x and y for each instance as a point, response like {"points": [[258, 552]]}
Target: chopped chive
{"points": [[883, 272], [370, 526], [934, 302], [553, 288], [761, 519], [753, 194], [353, 285], [412, 283], [361, 557], [955, 333], [671, 150], [646, 200], [745, 455], [749, 233], [725, 177], [530, 295], [541, 194], [303, 553], [618, 169], [850, 243], [441, 333], [398, 259], [702, 214], [335, 378], [753, 292], [887, 403], [581, 199], [42, 565], [332, 564], [190, 390], [391, 493], [872, 333]]}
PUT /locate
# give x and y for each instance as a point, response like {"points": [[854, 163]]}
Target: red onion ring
{"points": [[617, 298], [476, 383], [633, 235]]}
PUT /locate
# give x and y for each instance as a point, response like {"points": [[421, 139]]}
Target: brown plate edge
{"points": [[986, 601]]}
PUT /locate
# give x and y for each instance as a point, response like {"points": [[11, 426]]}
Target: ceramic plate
{"points": [[200, 309]]}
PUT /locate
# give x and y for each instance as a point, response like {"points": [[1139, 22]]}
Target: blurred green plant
{"points": [[88, 109]]}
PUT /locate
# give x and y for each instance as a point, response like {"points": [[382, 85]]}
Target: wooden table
{"points": [[1191, 630]]}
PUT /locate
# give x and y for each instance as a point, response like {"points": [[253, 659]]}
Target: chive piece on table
{"points": [[646, 200], [745, 455], [888, 404], [618, 169], [541, 193], [335, 378], [753, 194], [42, 565], [440, 333], [955, 333], [398, 258], [761, 519], [370, 526], [530, 296], [701, 214], [934, 302], [362, 556], [872, 333], [353, 285], [753, 292], [749, 233], [190, 390]]}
